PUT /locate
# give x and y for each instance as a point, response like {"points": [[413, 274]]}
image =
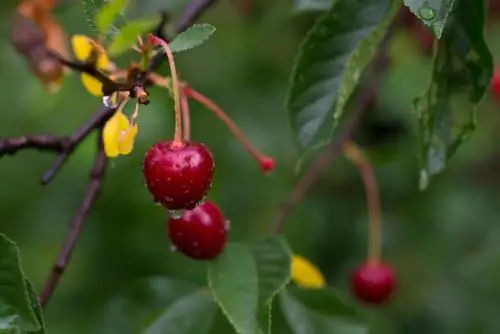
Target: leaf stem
{"points": [[359, 159]]}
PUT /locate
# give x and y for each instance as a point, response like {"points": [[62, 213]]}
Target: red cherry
{"points": [[373, 283], [199, 233], [495, 83], [178, 175]]}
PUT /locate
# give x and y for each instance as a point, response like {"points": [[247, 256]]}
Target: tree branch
{"points": [[65, 147], [96, 177], [324, 160]]}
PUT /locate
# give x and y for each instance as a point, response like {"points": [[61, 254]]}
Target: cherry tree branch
{"points": [[96, 177], [65, 146], [333, 150]]}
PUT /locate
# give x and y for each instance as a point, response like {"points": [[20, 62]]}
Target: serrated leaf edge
{"points": [[336, 107], [26, 296], [201, 41], [221, 306]]}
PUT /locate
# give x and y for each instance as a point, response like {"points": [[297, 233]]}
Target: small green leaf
{"points": [[140, 304], [312, 311], [13, 288], [90, 9], [128, 34], [234, 283], [313, 5], [432, 13], [461, 75], [192, 37], [246, 278], [108, 13], [330, 63], [191, 314]]}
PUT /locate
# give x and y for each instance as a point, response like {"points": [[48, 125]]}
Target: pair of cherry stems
{"points": [[351, 150]]}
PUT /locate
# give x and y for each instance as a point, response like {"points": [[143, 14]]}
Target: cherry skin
{"points": [[495, 83], [373, 283], [200, 233], [178, 176]]}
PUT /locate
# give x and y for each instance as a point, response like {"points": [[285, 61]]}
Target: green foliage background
{"points": [[444, 242]]}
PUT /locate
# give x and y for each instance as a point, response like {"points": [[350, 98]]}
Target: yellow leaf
{"points": [[305, 274], [91, 84], [126, 140], [118, 135], [82, 48], [112, 131]]}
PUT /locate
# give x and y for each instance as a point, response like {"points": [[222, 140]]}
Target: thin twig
{"points": [[334, 149], [96, 177], [98, 119]]}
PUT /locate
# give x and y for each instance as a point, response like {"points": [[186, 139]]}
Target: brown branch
{"points": [[97, 120], [66, 145], [324, 160], [96, 177]]}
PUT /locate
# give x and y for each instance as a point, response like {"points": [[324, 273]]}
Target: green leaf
{"points": [[246, 278], [234, 283], [432, 13], [191, 314], [92, 8], [313, 5], [330, 63], [461, 75], [312, 311], [13, 288], [273, 259], [140, 304], [108, 14], [9, 320], [192, 37], [128, 35]]}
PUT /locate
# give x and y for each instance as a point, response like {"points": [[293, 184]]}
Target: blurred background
{"points": [[443, 242]]}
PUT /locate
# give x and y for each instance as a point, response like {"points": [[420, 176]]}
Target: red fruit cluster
{"points": [[373, 283], [179, 176], [200, 233]]}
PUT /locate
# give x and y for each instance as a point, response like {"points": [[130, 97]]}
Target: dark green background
{"points": [[444, 242]]}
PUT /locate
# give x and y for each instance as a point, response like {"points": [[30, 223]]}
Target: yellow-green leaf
{"points": [[128, 34], [108, 13]]}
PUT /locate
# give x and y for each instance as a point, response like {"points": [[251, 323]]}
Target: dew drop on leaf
{"points": [[427, 13]]}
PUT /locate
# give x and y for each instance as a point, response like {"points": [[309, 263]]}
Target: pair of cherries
{"points": [[179, 176]]}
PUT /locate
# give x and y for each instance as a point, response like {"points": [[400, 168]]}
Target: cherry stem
{"points": [[235, 130], [186, 118], [175, 84], [359, 159]]}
